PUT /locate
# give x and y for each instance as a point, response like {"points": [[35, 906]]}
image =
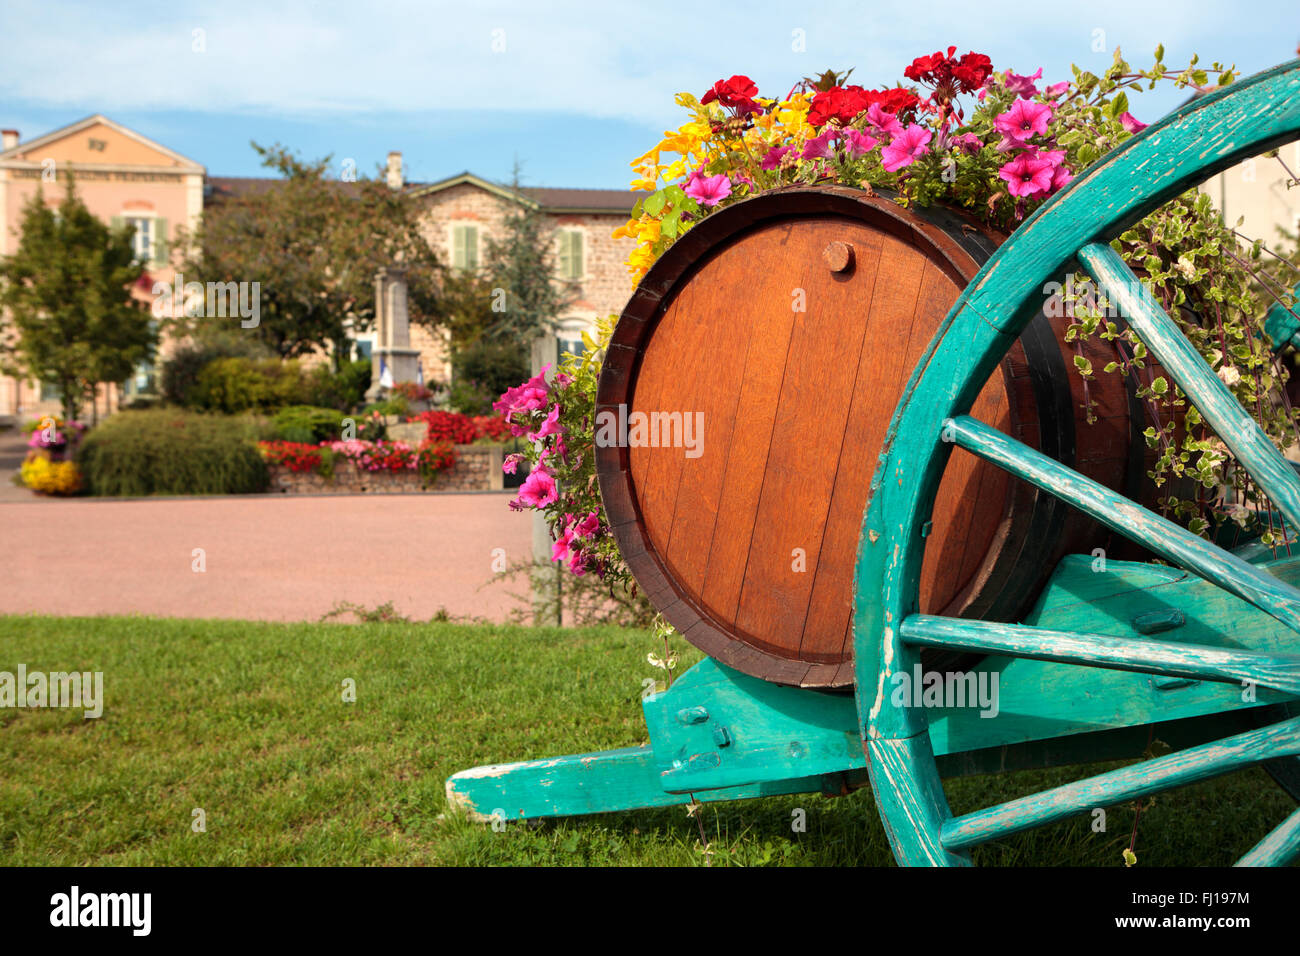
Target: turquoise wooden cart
{"points": [[1200, 650]]}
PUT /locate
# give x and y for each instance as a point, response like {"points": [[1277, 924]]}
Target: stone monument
{"points": [[392, 360]]}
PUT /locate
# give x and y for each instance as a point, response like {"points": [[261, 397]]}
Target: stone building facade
{"points": [[463, 212]]}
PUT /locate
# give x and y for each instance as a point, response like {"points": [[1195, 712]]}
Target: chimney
{"points": [[394, 174], [8, 138]]}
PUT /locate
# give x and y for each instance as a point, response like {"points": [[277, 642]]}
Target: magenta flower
{"points": [[858, 142], [819, 147], [537, 491], [550, 426], [906, 148], [774, 156], [511, 463], [883, 122], [970, 142], [1055, 90], [1025, 118], [1026, 175], [1023, 85], [1053, 156], [1061, 177], [529, 396], [1132, 123], [708, 190], [588, 526], [560, 550]]}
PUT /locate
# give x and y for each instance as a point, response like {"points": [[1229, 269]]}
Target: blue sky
{"points": [[572, 90]]}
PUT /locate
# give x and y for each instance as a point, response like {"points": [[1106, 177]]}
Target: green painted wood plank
{"points": [[1279, 848], [586, 783], [1119, 786], [1160, 535], [1195, 661], [1249, 443]]}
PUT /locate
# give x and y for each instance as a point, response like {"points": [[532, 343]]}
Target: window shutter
{"points": [[116, 223], [471, 248], [458, 255], [161, 247], [565, 266], [575, 255]]}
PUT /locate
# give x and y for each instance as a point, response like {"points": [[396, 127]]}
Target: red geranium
{"points": [[737, 93], [844, 104], [949, 75]]}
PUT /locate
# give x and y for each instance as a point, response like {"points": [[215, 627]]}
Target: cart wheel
{"points": [[1208, 135]]}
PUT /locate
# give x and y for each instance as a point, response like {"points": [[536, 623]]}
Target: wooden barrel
{"points": [[747, 391]]}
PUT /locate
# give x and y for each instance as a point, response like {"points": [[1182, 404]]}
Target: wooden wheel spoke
{"points": [[1279, 848], [1195, 661], [1130, 783], [1160, 535], [1245, 439]]}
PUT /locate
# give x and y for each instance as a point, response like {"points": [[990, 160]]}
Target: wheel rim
{"points": [[1190, 145]]}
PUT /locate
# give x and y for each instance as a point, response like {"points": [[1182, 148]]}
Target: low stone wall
{"points": [[477, 468]]}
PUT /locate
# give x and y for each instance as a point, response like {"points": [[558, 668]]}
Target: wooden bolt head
{"points": [[839, 256]]}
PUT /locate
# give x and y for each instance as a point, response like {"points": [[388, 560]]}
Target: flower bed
{"points": [[360, 467]]}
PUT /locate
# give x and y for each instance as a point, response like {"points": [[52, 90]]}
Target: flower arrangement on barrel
{"points": [[993, 145]]}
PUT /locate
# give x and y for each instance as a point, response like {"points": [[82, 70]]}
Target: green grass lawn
{"points": [[247, 722]]}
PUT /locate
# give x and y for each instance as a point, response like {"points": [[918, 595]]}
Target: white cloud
{"points": [[598, 59]]}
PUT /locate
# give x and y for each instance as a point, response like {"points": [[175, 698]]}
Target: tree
{"points": [[522, 266], [71, 319], [313, 245]]}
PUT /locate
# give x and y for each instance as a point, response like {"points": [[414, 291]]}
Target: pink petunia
{"points": [[1023, 85], [906, 148], [1025, 118], [969, 142], [774, 156], [1056, 89], [511, 463], [884, 123], [819, 147], [550, 426], [1061, 177], [708, 190], [858, 142], [537, 491], [1026, 175], [1132, 123]]}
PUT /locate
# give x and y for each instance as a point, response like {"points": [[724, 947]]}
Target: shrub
{"points": [[483, 371], [180, 370], [306, 423], [343, 390], [233, 385], [393, 405], [173, 452], [491, 427]]}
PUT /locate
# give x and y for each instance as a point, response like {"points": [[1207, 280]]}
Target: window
{"points": [[464, 248], [570, 263], [143, 238], [149, 237]]}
